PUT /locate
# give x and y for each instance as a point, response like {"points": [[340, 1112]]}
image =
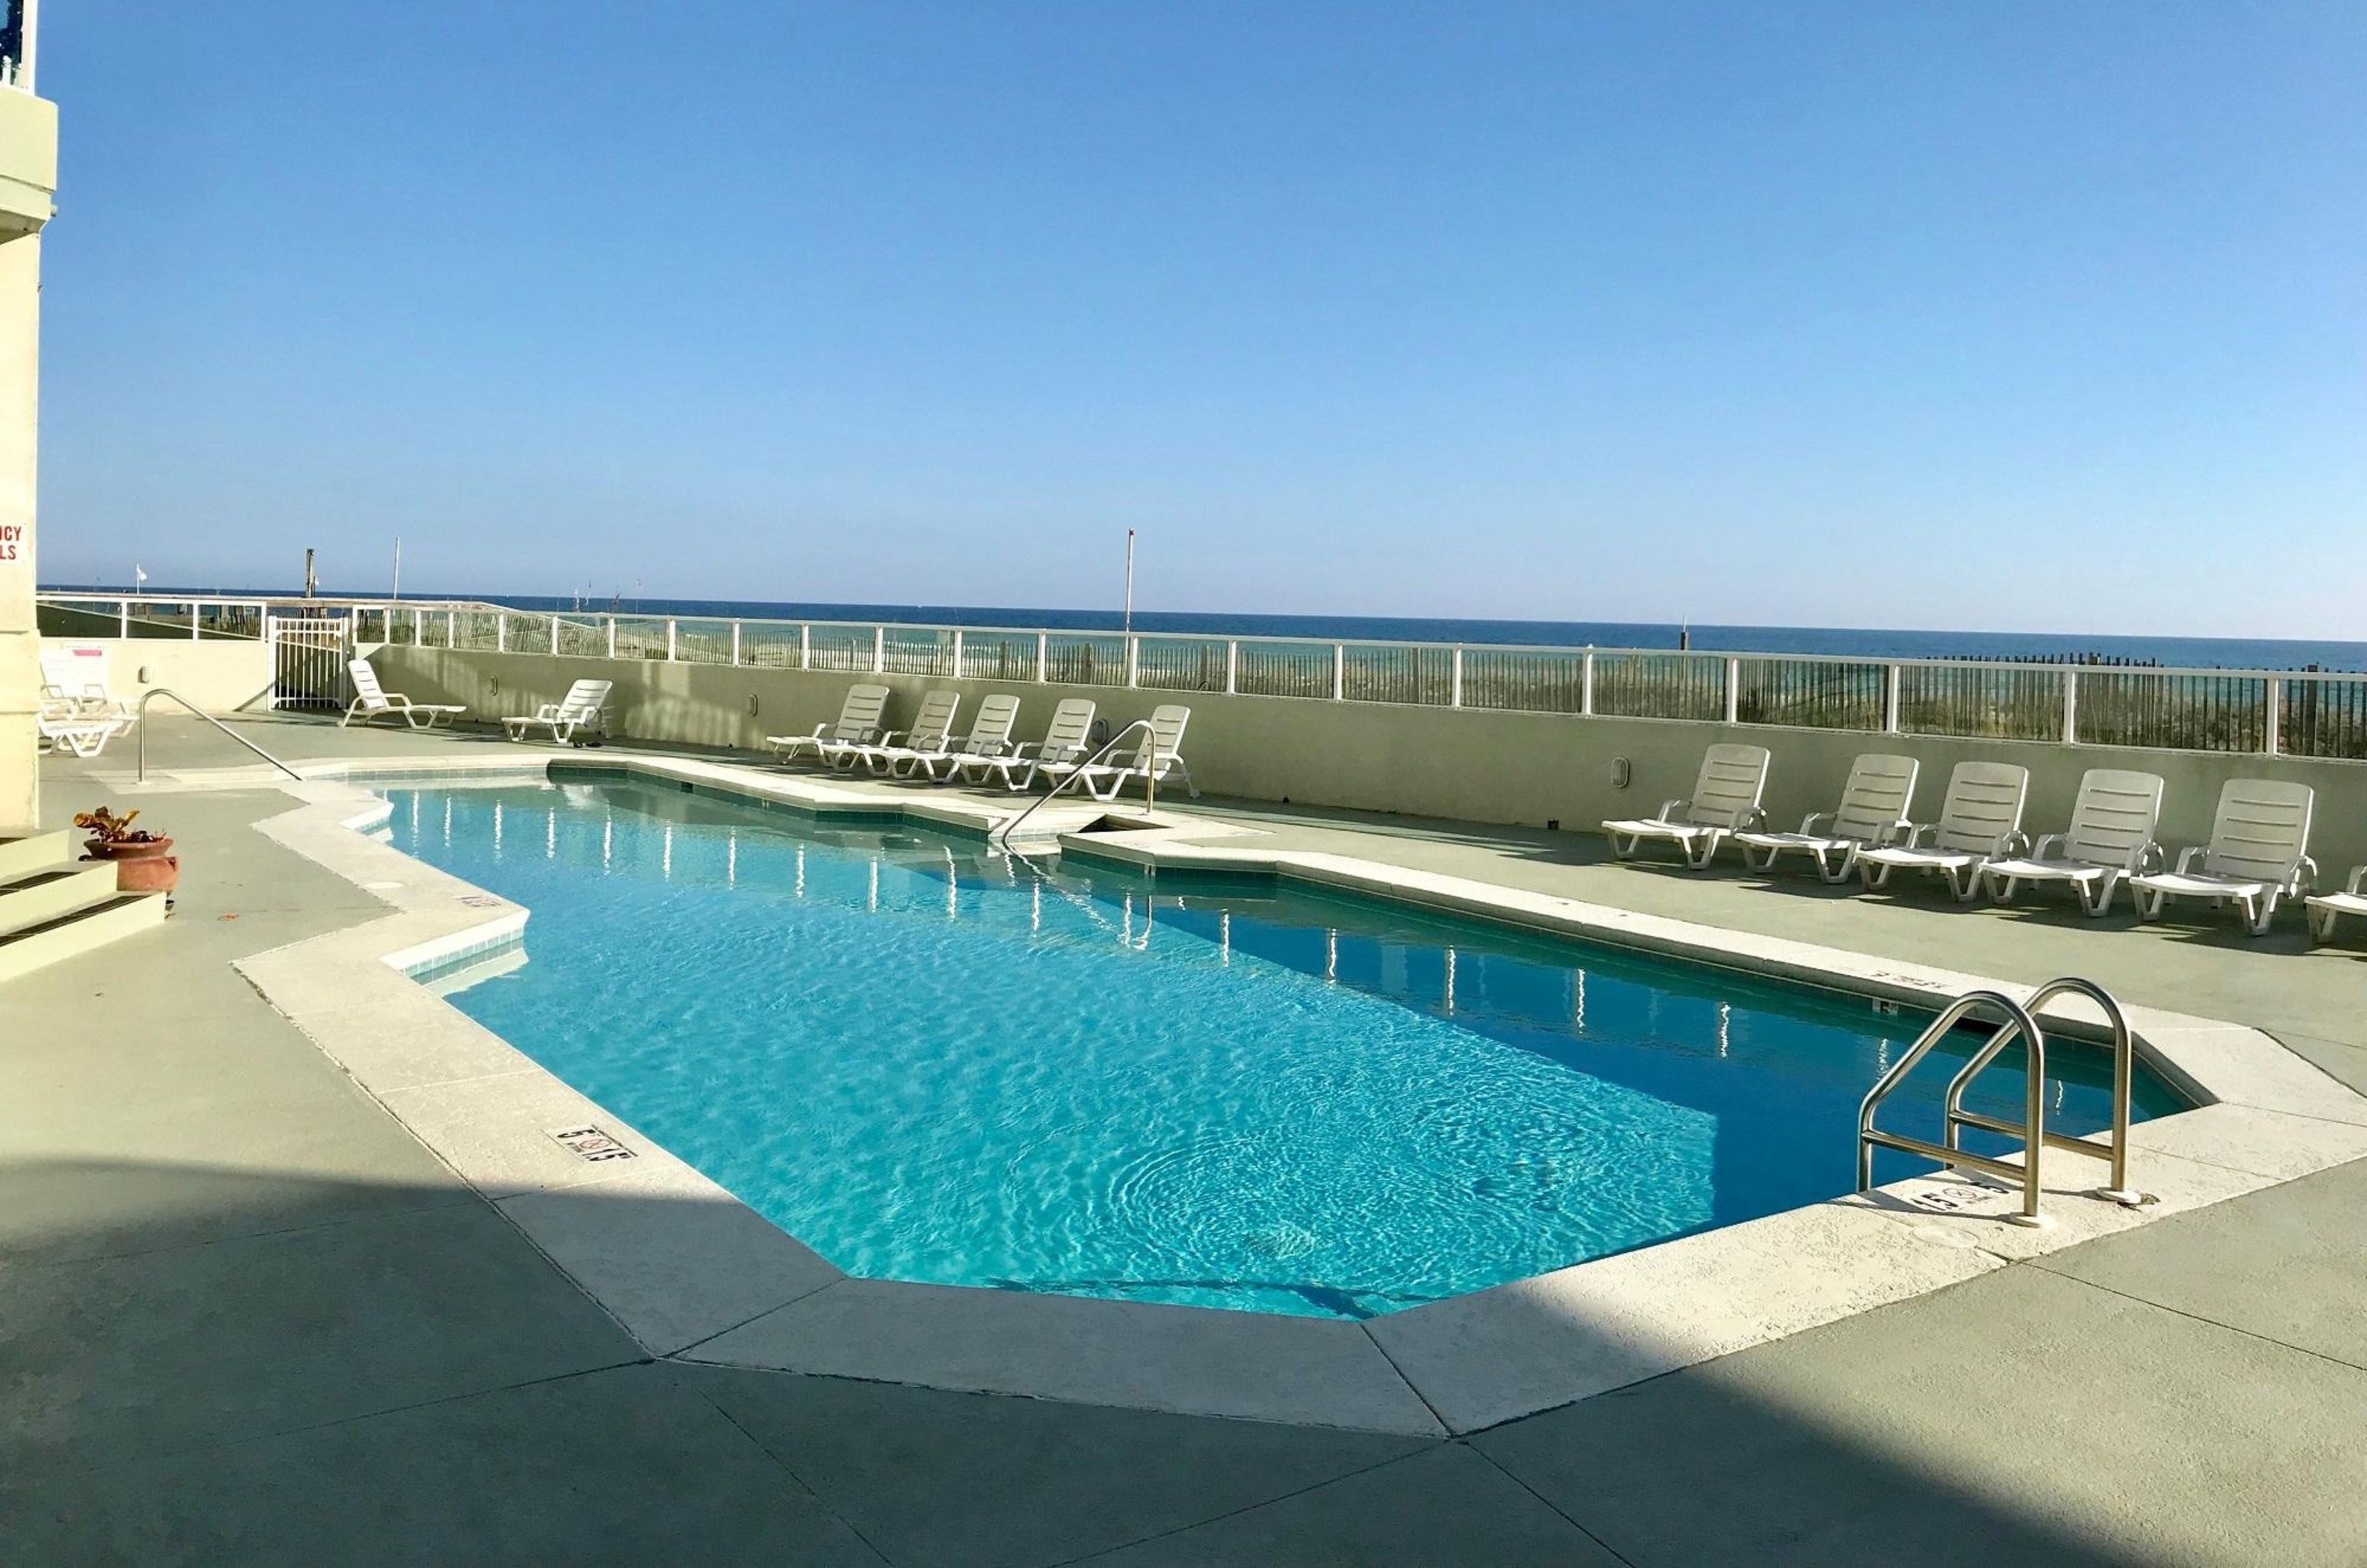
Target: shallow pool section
{"points": [[934, 1064]]}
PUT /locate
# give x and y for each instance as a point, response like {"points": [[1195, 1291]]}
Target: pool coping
{"points": [[694, 1275]]}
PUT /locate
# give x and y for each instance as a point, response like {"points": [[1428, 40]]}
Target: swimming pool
{"points": [[933, 1064]]}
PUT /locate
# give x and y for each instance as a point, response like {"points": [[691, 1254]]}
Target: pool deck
{"points": [[247, 1314]]}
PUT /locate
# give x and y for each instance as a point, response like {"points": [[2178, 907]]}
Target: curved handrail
{"points": [[2124, 1081], [1149, 781], [2019, 1023], [152, 693]]}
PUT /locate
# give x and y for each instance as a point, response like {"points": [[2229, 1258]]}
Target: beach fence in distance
{"points": [[2092, 701]]}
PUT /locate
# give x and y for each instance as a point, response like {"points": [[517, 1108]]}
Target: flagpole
{"points": [[1129, 581]]}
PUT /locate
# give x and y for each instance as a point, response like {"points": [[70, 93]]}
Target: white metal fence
{"points": [[2293, 713]]}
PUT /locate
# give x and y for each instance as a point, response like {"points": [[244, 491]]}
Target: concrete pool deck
{"points": [[248, 1314]]}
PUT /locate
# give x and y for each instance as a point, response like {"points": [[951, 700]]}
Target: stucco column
{"points": [[21, 313]]}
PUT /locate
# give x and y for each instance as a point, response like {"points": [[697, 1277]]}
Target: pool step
{"points": [[53, 907]]}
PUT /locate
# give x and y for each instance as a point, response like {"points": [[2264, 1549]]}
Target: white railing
{"points": [[2273, 712]]}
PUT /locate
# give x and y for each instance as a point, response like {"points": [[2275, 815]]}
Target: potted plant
{"points": [[145, 862]]}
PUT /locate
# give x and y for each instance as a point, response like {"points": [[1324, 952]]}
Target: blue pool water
{"points": [[936, 1065]]}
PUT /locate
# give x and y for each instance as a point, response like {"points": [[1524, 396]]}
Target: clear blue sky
{"points": [[2042, 316]]}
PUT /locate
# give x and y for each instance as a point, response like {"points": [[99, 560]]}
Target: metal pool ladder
{"points": [[1003, 832], [2016, 1020]]}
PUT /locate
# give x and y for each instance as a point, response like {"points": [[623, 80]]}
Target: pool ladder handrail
{"points": [[1001, 832], [2019, 1021], [140, 740]]}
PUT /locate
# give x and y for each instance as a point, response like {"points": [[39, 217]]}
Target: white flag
{"points": [[138, 577]]}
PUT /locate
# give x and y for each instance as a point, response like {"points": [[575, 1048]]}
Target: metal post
{"points": [[554, 634], [1455, 682], [193, 621], [418, 628], [2070, 706], [2272, 727], [1339, 671], [1586, 683], [670, 639], [1892, 680], [451, 628], [501, 631], [123, 619], [805, 648], [612, 636], [879, 650], [957, 647], [1233, 667], [1133, 644], [1733, 690], [735, 644]]}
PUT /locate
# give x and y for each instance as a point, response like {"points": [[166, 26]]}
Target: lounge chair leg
{"points": [[2260, 912]]}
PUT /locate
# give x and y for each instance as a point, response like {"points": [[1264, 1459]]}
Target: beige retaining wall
{"points": [[220, 676], [1462, 763]]}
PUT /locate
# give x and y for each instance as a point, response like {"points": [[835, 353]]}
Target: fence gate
{"points": [[308, 662]]}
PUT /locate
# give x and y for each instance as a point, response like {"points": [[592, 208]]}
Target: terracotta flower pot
{"points": [[150, 867]]}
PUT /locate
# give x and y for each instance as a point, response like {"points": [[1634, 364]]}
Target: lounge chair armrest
{"points": [[2046, 842], [1808, 823], [2146, 858], [2188, 856], [2304, 875], [1917, 832], [1668, 809], [885, 737], [2016, 843], [2358, 876]]}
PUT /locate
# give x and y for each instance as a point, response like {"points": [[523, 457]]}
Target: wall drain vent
{"points": [[592, 1144]]}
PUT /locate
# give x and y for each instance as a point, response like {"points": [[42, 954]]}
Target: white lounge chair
{"points": [[73, 682], [989, 737], [2327, 907], [583, 711], [373, 701], [60, 725], [1725, 800], [2111, 837], [2258, 855], [932, 732], [1155, 754], [1980, 819], [857, 725], [1873, 812], [1066, 740]]}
